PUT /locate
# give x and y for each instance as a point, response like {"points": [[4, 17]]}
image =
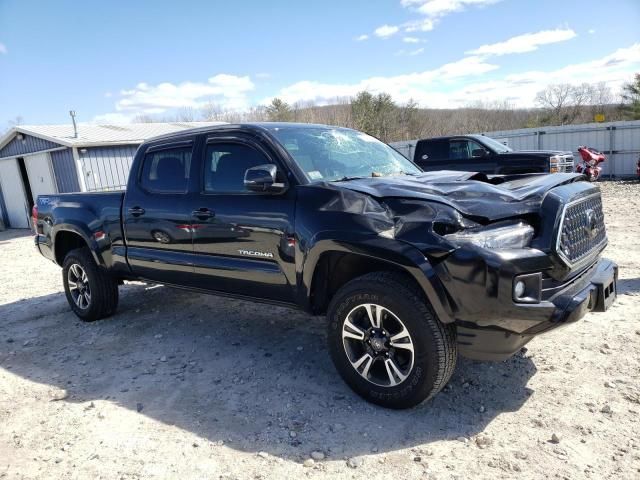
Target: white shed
{"points": [[45, 159]]}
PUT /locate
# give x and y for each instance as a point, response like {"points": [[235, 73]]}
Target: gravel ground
{"points": [[192, 386]]}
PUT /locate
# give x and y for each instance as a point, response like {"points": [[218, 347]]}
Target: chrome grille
{"points": [[582, 231]]}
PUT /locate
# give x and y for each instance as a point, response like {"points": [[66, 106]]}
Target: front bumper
{"points": [[491, 326]]}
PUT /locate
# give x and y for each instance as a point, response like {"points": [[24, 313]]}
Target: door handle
{"points": [[203, 213], [136, 211]]}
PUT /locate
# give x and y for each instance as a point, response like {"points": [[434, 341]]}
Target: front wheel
{"points": [[91, 292], [387, 343]]}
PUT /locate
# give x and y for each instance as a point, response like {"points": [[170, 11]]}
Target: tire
{"points": [[422, 362], [82, 277]]}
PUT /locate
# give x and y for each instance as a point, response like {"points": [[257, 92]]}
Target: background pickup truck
{"points": [[477, 153], [411, 268]]}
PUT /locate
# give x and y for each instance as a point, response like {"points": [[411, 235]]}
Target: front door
{"points": [[470, 156], [242, 240], [157, 218]]}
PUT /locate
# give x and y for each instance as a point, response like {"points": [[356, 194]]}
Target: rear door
{"points": [[243, 241], [157, 215]]}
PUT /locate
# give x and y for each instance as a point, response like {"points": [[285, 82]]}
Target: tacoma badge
{"points": [[253, 253]]}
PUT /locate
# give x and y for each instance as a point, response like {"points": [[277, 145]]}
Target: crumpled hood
{"points": [[472, 194]]}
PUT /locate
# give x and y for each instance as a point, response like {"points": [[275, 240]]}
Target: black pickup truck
{"points": [[479, 153], [411, 268]]}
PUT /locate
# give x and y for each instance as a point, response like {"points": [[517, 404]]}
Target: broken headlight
{"points": [[514, 235]]}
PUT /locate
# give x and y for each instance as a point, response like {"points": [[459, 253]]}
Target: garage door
{"points": [[13, 193], [40, 174]]}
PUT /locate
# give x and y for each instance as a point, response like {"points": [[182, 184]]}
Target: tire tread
{"points": [[106, 297], [444, 335]]}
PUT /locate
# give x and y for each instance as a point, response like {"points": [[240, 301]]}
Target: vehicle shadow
{"points": [[627, 286], [13, 233], [257, 377]]}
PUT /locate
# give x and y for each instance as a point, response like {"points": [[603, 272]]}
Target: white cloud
{"points": [[362, 37], [410, 53], [401, 87], [434, 10], [591, 31], [228, 91], [386, 31], [430, 10], [3, 49], [112, 118], [440, 8], [460, 83], [422, 25], [263, 75], [520, 88], [527, 42], [411, 40]]}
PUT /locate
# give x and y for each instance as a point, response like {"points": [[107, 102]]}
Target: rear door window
{"points": [[167, 170]]}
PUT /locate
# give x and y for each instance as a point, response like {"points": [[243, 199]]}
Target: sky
{"points": [[111, 61]]}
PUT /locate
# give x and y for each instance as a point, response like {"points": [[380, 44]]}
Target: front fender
{"points": [[396, 252]]}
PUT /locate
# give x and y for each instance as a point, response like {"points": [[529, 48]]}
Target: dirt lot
{"points": [[191, 386]]}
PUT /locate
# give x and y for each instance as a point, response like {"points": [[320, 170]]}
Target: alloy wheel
{"points": [[79, 286], [378, 345]]}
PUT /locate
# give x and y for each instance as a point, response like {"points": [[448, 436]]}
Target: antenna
{"points": [[73, 119]]}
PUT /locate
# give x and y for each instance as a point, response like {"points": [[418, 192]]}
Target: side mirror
{"points": [[479, 152], [263, 179]]}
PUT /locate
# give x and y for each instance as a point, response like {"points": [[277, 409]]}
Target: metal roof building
{"points": [[44, 159]]}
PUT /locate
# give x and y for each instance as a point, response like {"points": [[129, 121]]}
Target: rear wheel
{"points": [[91, 292], [386, 342]]}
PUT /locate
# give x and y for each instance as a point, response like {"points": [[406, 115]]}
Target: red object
{"points": [[591, 160], [34, 218]]}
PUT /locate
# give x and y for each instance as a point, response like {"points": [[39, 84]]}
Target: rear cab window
{"points": [[432, 150], [166, 170]]}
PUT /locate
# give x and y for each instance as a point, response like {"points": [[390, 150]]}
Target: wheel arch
{"points": [[67, 237], [331, 264]]}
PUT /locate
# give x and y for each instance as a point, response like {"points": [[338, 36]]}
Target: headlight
{"points": [[516, 235]]}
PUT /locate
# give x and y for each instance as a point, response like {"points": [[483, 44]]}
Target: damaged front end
{"points": [[494, 246]]}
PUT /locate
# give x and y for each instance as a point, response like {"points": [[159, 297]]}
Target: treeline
{"points": [[381, 116]]}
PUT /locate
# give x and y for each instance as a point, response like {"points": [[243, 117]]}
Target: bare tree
{"points": [[144, 118], [555, 99], [14, 122], [186, 114]]}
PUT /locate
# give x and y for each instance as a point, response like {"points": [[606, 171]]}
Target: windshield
{"points": [[330, 154], [494, 144]]}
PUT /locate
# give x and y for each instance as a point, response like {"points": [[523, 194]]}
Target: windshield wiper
{"points": [[347, 179]]}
